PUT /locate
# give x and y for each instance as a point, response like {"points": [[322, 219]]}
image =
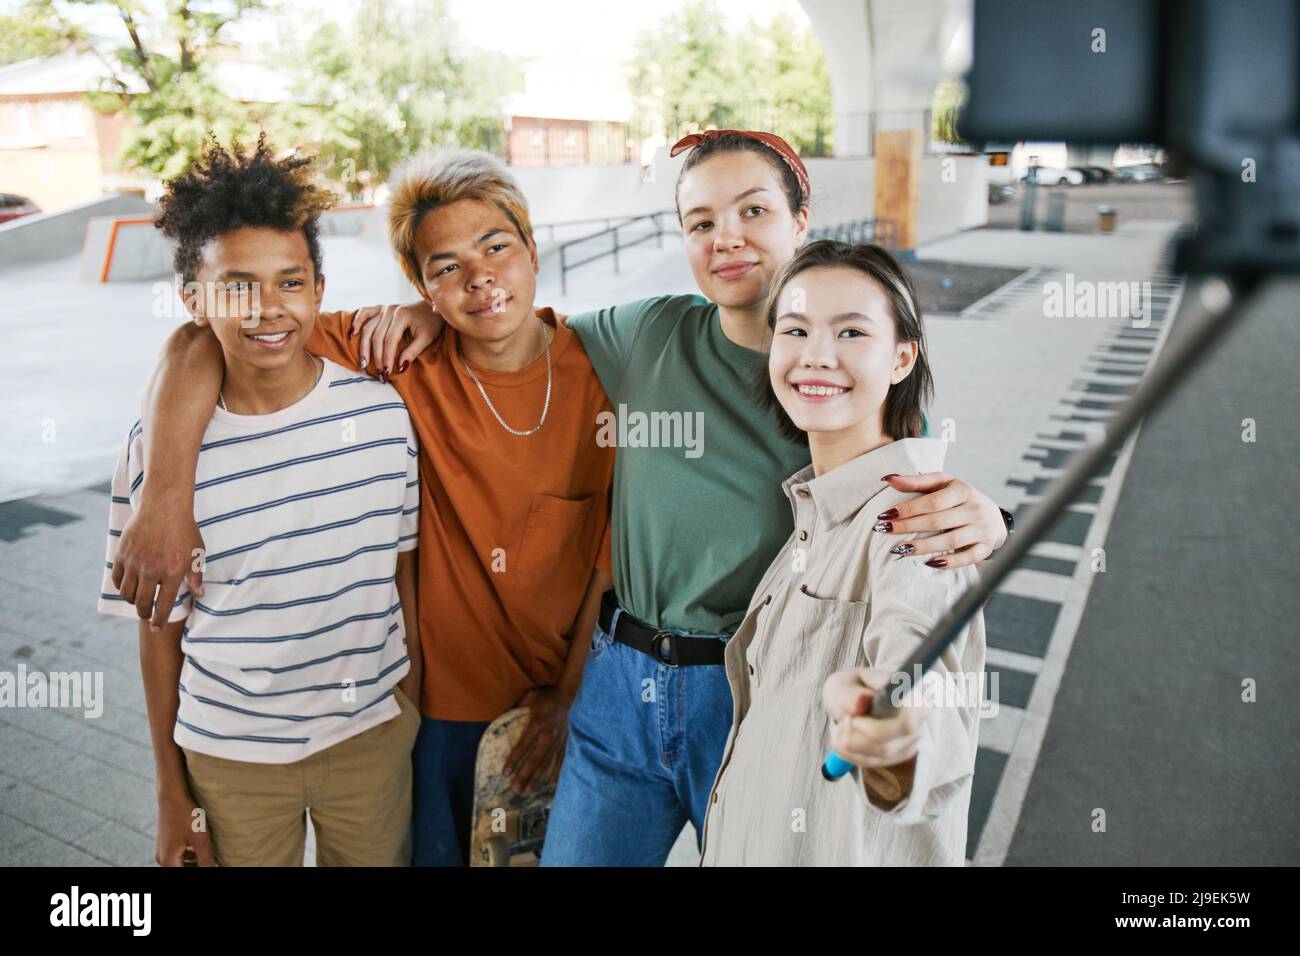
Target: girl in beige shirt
{"points": [[839, 608]]}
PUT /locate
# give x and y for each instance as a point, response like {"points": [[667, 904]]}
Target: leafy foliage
{"points": [[396, 82], [35, 30], [695, 72]]}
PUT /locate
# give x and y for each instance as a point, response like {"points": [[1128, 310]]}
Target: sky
{"points": [[583, 27], [519, 27]]}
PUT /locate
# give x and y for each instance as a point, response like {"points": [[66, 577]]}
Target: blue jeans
{"points": [[645, 743], [443, 798]]}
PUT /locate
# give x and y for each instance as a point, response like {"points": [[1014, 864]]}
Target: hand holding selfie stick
{"points": [[1215, 110]]}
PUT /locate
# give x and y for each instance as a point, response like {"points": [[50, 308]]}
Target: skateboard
{"points": [[508, 827]]}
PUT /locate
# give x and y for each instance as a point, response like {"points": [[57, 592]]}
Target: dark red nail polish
{"points": [[883, 527], [891, 513], [887, 477], [402, 368], [351, 333], [937, 563]]}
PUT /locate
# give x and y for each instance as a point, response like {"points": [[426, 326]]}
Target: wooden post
{"points": [[898, 182]]}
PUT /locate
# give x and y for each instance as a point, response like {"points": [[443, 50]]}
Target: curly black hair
{"points": [[222, 190]]}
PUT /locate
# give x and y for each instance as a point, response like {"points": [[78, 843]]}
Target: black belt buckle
{"points": [[657, 646]]}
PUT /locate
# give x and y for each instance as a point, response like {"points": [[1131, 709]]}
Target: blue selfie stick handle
{"points": [[835, 766]]}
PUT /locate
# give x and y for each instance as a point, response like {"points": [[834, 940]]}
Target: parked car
{"points": [[1053, 176], [1000, 193], [1095, 174], [1139, 173], [15, 207]]}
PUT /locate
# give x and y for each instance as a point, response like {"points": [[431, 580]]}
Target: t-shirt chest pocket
{"points": [[552, 533]]}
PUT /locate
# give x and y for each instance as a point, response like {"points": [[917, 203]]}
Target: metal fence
{"points": [[610, 241], [882, 232], [810, 131]]}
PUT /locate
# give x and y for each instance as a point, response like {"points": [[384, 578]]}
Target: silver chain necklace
{"points": [[221, 396], [492, 408]]}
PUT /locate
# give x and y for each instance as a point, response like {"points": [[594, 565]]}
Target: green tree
{"points": [[949, 98], [35, 30], [162, 76], [783, 65], [683, 72], [695, 72], [398, 81]]}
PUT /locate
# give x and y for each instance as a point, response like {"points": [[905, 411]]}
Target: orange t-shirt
{"points": [[511, 527]]}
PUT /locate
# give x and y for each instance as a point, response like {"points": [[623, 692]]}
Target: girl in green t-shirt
{"points": [[693, 533]]}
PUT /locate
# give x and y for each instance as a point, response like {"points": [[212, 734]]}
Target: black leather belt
{"points": [[675, 650]]}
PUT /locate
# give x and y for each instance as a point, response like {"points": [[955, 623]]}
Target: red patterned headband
{"points": [[770, 140]]}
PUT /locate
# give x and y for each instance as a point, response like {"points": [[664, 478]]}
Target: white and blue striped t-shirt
{"points": [[298, 640]]}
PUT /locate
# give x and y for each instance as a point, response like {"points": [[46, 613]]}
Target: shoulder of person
{"points": [[889, 572], [351, 385], [348, 389], [676, 307], [664, 314]]}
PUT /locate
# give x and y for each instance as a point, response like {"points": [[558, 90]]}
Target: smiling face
{"points": [[835, 352], [259, 293], [478, 274], [737, 226]]}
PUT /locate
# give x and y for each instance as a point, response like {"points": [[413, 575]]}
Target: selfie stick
{"points": [[1213, 307]]}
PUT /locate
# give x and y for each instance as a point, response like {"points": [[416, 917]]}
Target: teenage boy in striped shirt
{"points": [[515, 517], [286, 680]]}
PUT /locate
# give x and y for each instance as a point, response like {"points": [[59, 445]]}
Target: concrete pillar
{"points": [[884, 59], [842, 30]]}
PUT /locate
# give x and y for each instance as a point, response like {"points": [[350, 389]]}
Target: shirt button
{"points": [[715, 796], [751, 670], [803, 535], [802, 492]]}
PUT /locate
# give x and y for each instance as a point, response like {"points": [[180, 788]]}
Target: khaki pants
{"points": [[359, 793]]}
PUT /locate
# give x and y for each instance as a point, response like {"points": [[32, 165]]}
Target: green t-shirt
{"points": [[697, 519]]}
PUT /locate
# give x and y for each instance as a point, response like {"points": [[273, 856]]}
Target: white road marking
{"points": [[1058, 550], [999, 733], [1013, 660], [1008, 802], [1038, 585]]}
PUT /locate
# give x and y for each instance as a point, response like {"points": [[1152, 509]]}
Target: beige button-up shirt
{"points": [[835, 598]]}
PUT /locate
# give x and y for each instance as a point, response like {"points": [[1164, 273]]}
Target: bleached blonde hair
{"points": [[436, 178]]}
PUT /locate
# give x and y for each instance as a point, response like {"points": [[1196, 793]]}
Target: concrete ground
{"points": [[1100, 676]]}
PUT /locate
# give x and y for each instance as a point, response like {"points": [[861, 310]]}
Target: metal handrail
{"points": [[609, 222], [616, 245], [882, 232]]}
